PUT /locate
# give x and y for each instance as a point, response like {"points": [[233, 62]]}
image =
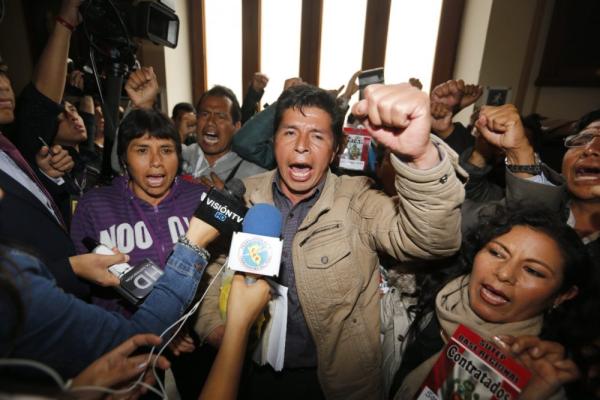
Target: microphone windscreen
{"points": [[236, 188], [263, 219]]}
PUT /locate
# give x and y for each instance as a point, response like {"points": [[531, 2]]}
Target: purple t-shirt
{"points": [[115, 217]]}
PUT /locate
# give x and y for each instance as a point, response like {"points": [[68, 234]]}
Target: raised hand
{"points": [[501, 126], [69, 11], [470, 95], [449, 93], [416, 82], [289, 82], [142, 87], [259, 81], [441, 120], [398, 117]]}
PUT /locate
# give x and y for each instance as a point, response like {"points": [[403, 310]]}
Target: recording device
{"points": [[110, 27], [369, 77], [223, 210], [113, 21], [135, 282], [257, 249]]}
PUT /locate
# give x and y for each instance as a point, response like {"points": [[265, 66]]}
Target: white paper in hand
{"points": [[271, 348]]}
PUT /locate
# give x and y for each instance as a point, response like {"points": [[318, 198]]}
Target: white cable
{"points": [[182, 320], [15, 362]]}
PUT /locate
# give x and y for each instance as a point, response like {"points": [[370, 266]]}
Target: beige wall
{"points": [[471, 46], [515, 38]]}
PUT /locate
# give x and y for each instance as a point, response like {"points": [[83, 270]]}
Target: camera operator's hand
{"points": [[54, 163], [142, 87]]}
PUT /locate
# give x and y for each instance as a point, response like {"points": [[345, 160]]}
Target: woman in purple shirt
{"points": [[143, 213]]}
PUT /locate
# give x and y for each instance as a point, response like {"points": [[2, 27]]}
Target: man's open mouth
{"points": [[300, 171], [210, 137], [587, 173]]}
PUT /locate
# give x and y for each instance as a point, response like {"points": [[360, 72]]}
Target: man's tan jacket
{"points": [[336, 264]]}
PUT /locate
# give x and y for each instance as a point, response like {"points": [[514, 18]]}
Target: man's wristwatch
{"points": [[534, 169]]}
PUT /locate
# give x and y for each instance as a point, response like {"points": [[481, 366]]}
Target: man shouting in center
{"points": [[333, 229]]}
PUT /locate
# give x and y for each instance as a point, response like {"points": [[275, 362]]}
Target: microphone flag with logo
{"points": [[257, 249]]}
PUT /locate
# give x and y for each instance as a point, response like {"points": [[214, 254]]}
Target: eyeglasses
{"points": [[582, 138]]}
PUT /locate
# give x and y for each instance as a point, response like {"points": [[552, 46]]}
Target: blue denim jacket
{"points": [[68, 334]]}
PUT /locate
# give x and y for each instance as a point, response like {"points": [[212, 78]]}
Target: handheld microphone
{"points": [[225, 210], [257, 249]]}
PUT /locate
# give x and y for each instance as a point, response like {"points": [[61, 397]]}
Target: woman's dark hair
{"points": [[149, 122], [300, 96], [587, 119], [568, 324]]}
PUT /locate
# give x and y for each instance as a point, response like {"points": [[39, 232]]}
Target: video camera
{"points": [[111, 25], [115, 21]]}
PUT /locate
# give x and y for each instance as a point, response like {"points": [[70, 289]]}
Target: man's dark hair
{"points": [[300, 96], [221, 91], [587, 119], [140, 122], [181, 108]]}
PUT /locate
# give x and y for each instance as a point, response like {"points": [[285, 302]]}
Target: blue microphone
{"points": [[263, 219], [257, 249]]}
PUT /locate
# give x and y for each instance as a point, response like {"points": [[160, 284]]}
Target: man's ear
{"points": [[237, 126], [336, 149]]}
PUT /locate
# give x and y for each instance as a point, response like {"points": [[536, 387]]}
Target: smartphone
{"points": [[369, 77]]}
